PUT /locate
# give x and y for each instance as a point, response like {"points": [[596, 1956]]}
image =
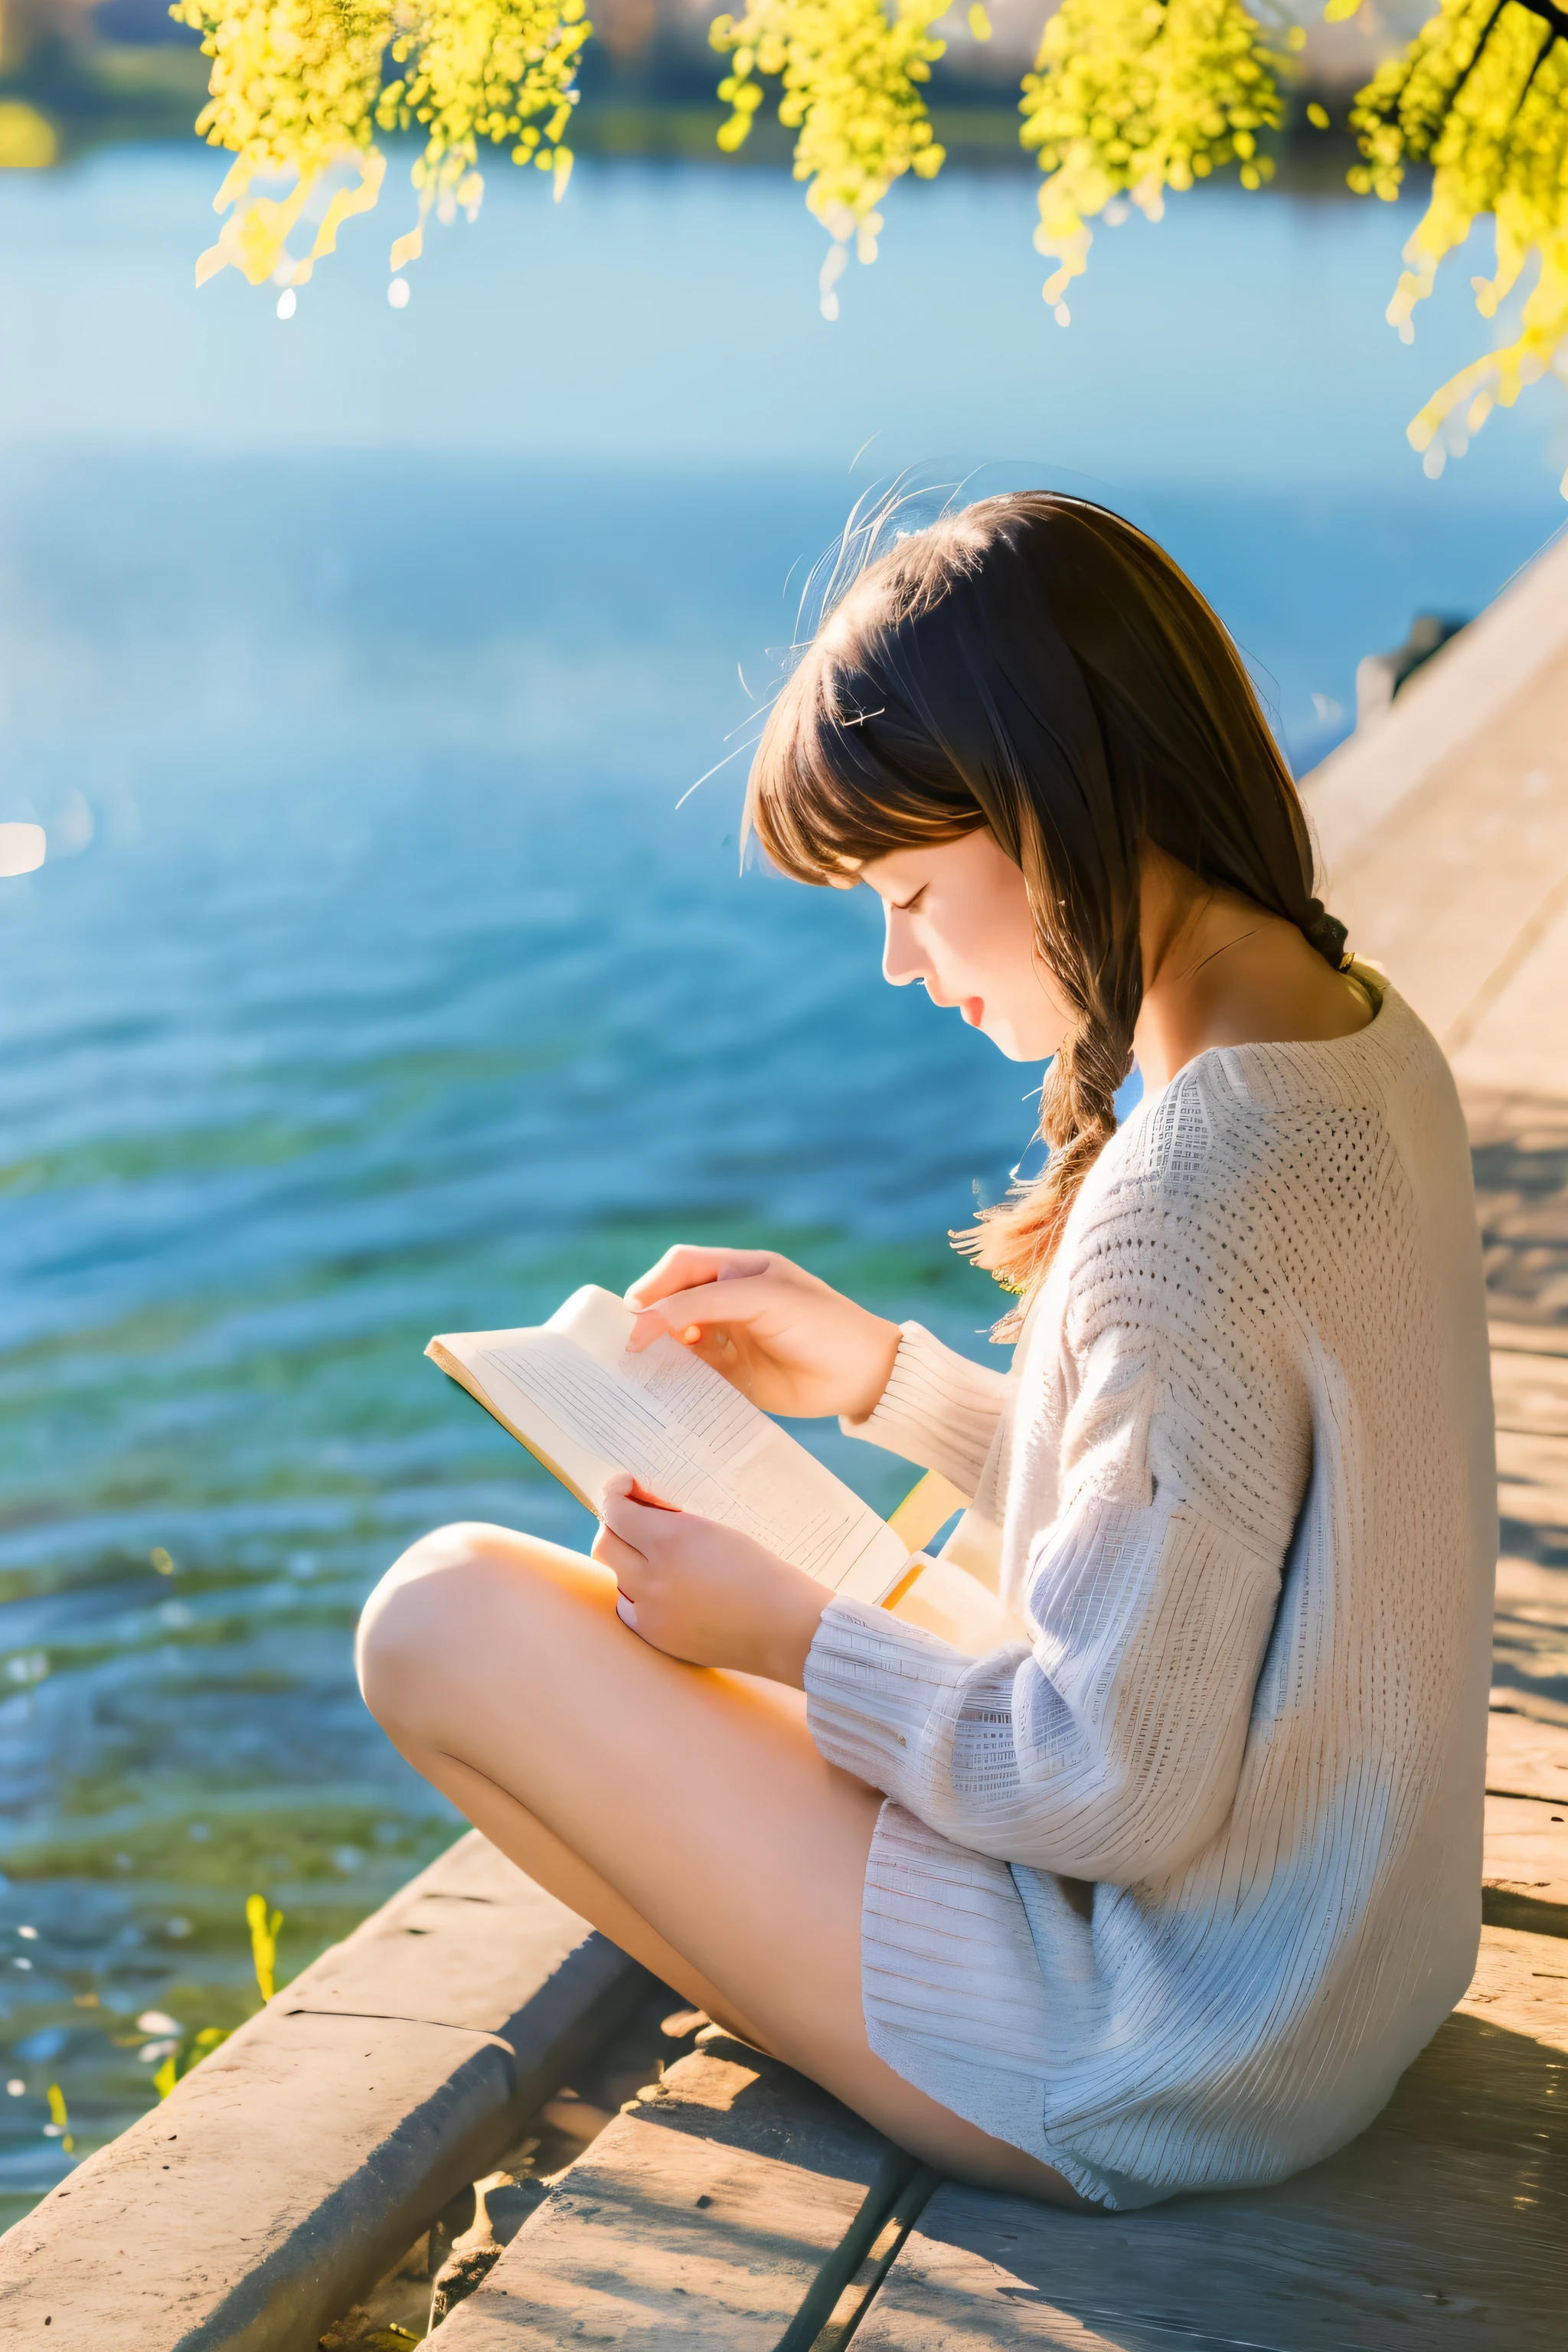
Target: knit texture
{"points": [[1170, 1889]]}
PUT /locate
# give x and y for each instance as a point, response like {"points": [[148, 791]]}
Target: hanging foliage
{"points": [[1128, 99], [293, 92], [1482, 94], [299, 90], [852, 76], [1134, 97]]}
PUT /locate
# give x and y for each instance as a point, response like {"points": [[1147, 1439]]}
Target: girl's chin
{"points": [[1014, 1048], [1002, 1034]]}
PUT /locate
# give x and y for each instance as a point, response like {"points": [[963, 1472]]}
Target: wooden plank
{"points": [[1533, 1589], [1524, 1865], [1532, 1477], [1526, 1847], [1520, 1984], [1547, 1340], [702, 2215], [1530, 1393], [1527, 1759], [1529, 1644], [1443, 2226], [1531, 1502], [1506, 1040], [294, 2166]]}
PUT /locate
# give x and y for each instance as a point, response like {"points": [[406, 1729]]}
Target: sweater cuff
{"points": [[938, 1410], [872, 1684]]}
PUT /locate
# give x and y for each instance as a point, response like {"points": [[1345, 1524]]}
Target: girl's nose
{"points": [[901, 962]]}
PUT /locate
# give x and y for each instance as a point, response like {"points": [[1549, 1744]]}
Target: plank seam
{"points": [[893, 2176], [398, 2017]]}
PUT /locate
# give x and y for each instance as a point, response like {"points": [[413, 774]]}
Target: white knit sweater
{"points": [[1173, 1886]]}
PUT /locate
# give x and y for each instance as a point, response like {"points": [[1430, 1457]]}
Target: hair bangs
{"points": [[838, 781]]}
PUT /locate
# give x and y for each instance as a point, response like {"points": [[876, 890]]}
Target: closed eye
{"points": [[907, 905]]}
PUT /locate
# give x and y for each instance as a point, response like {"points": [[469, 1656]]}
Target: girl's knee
{"points": [[408, 1624], [458, 1585]]}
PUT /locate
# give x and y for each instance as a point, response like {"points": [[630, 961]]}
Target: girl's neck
{"points": [[1220, 970]]}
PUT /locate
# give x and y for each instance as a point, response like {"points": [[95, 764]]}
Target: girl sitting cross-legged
{"points": [[1163, 1891]]}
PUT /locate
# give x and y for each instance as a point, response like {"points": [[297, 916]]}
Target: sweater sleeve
{"points": [[938, 1410], [1109, 1746]]}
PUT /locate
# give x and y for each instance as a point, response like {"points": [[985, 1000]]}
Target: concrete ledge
{"points": [[1445, 832], [1451, 700], [292, 2167]]}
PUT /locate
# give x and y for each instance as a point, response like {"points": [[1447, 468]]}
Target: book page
{"points": [[588, 1409]]}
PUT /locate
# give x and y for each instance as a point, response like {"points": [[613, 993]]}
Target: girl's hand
{"points": [[699, 1592], [783, 1338]]}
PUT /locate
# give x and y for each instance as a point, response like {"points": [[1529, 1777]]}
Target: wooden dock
{"points": [[468, 2094], [1445, 834]]}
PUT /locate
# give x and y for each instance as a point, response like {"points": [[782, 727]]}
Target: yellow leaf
{"points": [[264, 1924], [60, 2119], [344, 207], [406, 249], [27, 141]]}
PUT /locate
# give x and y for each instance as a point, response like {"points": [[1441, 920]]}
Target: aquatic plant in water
{"points": [[1128, 99], [264, 1924], [59, 2124]]}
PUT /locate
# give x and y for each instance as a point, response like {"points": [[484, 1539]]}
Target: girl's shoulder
{"points": [[1254, 1147]]}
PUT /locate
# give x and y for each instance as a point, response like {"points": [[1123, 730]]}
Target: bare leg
{"points": [[687, 1813]]}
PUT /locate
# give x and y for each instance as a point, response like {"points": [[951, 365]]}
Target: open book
{"points": [[568, 1391]]}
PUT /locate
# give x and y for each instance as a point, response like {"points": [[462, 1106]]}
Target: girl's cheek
{"points": [[944, 956]]}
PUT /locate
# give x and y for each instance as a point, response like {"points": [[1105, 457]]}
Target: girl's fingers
{"points": [[636, 1521], [687, 1315], [613, 1551], [684, 1266]]}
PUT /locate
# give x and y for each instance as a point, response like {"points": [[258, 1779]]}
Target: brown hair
{"points": [[1037, 664]]}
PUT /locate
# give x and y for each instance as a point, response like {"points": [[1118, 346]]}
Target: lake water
{"points": [[377, 984]]}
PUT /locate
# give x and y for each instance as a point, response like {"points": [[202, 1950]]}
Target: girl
{"points": [[1165, 1891]]}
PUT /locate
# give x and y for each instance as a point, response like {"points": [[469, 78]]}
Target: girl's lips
{"points": [[972, 1008]]}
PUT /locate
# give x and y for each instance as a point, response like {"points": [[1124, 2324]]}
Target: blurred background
{"points": [[385, 974]]}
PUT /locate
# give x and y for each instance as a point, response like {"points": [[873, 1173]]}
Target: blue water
{"points": [[377, 984]]}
